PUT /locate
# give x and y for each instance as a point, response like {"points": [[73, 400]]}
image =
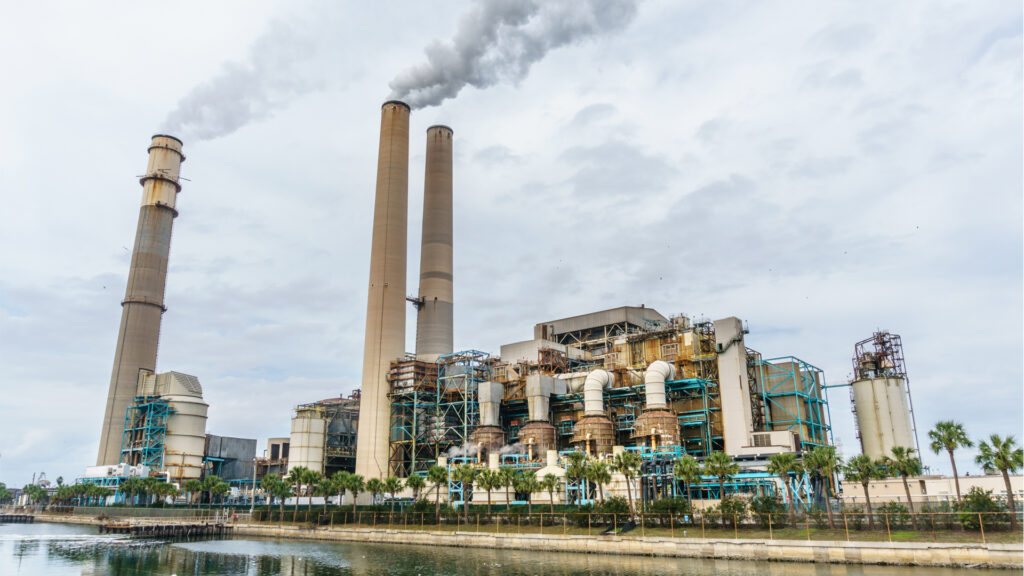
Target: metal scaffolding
{"points": [[145, 428], [793, 398]]}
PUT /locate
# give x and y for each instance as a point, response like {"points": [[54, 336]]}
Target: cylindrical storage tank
{"points": [[185, 441], [539, 436], [883, 415], [307, 441]]}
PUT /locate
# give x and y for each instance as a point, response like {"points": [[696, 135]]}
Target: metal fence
{"points": [[924, 527]]}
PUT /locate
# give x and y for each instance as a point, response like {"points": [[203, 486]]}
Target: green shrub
{"points": [[978, 501], [613, 505], [670, 506], [732, 509], [765, 504], [897, 514], [855, 516]]}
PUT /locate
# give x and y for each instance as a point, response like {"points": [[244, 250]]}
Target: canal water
{"points": [[59, 549]]}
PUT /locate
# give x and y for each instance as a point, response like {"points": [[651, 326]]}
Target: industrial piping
{"points": [[143, 304], [654, 382], [385, 306], [593, 392], [434, 317]]}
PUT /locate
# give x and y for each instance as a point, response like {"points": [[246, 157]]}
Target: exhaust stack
{"points": [[434, 317], [143, 304], [385, 307]]}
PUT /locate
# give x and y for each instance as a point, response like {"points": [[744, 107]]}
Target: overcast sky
{"points": [[820, 170]]}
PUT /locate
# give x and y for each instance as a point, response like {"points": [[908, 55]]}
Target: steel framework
{"points": [[793, 399], [145, 428]]}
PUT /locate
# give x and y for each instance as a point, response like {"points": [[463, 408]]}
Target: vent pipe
{"points": [[385, 306], [654, 382], [143, 304], [593, 392], [434, 318]]}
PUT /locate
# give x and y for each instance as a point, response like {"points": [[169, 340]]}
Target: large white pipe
{"points": [[489, 395], [654, 381], [593, 390]]}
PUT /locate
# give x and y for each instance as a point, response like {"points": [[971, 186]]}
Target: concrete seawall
{"points": [[895, 553]]}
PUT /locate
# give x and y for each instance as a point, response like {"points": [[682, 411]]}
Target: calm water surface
{"points": [[57, 549]]}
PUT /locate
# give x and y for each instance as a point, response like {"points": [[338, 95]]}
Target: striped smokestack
{"points": [[434, 319], [143, 303], [385, 307]]}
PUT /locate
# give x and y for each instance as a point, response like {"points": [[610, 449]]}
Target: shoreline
{"points": [[931, 554]]}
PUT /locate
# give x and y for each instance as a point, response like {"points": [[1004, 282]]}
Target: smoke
{"points": [[517, 448], [467, 450], [499, 40], [276, 70]]}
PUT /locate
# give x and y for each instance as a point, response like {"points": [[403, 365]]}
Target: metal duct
{"points": [[489, 395], [593, 392], [385, 306], [143, 304], [654, 382], [434, 317], [538, 396]]}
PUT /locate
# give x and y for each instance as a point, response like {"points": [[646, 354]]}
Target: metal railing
{"points": [[844, 526]]}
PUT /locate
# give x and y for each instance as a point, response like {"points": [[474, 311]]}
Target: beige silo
{"points": [[385, 308], [435, 316], [143, 303]]}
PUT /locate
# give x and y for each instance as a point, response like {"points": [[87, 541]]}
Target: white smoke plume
{"points": [[467, 450], [517, 448], [275, 72], [499, 40]]}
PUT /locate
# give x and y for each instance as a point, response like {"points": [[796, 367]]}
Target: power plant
{"points": [[622, 379]]}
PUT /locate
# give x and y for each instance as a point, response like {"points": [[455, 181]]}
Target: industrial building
{"points": [[323, 436]]}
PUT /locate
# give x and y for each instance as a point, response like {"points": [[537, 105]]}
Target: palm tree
{"points": [[905, 464], [1002, 454], [548, 484], [194, 486], [220, 489], [822, 463], [721, 466], [687, 471], [209, 483], [392, 485], [149, 485], [267, 483], [600, 474], [576, 471], [627, 463], [863, 469], [949, 435], [310, 480], [415, 482], [340, 480], [437, 475], [294, 479], [465, 474], [374, 486], [325, 487], [355, 484], [281, 490], [526, 482], [487, 479], [506, 475], [129, 488]]}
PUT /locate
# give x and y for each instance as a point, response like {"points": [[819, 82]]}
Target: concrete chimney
{"points": [[143, 303], [385, 307], [434, 319]]}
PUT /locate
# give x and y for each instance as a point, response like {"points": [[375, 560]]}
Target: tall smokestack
{"points": [[143, 303], [385, 307], [434, 320]]}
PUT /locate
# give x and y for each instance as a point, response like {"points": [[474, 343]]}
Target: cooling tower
{"points": [[434, 319], [143, 303], [385, 307]]}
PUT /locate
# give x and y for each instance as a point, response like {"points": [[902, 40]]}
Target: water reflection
{"points": [[50, 549]]}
